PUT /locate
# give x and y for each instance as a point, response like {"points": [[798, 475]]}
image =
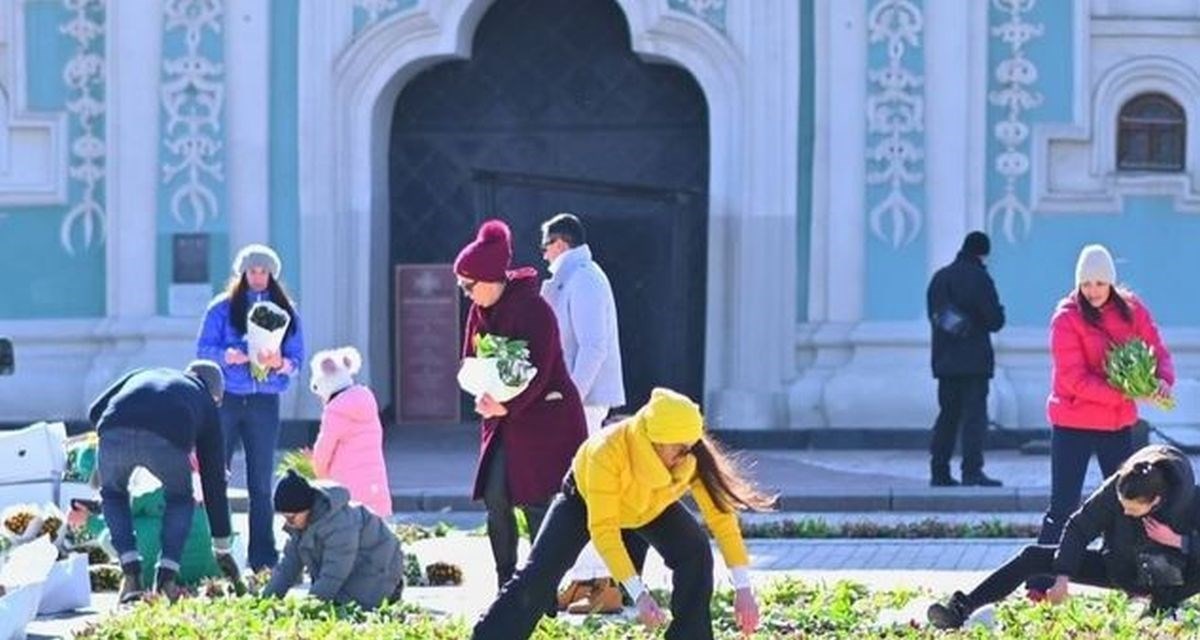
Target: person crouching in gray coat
{"points": [[349, 552]]}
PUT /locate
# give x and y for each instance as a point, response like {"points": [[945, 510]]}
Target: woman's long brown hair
{"points": [[725, 479], [1116, 295], [239, 306]]}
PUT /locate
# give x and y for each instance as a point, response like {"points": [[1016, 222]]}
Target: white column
{"points": [[134, 43], [947, 126], [317, 167], [247, 69], [751, 319], [845, 115]]}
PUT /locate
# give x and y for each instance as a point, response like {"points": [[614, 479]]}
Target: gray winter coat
{"points": [[586, 311], [349, 552]]}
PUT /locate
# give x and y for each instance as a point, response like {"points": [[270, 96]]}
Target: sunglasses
{"points": [[467, 285]]}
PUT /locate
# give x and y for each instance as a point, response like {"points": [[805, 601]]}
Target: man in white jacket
{"points": [[582, 298]]}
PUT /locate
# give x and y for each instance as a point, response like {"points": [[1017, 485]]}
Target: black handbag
{"points": [[1159, 568], [949, 319]]}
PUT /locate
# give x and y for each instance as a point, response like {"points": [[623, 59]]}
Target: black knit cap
{"points": [[293, 494], [977, 243]]}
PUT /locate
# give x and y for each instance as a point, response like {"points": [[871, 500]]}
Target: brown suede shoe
{"points": [[604, 597], [577, 590]]}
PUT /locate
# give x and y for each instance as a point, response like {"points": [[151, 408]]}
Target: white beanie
{"points": [[1095, 264], [333, 370], [257, 255]]}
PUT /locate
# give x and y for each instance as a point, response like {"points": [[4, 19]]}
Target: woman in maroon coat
{"points": [[527, 442]]}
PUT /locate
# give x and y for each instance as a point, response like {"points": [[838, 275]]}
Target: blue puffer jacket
{"points": [[218, 334]]}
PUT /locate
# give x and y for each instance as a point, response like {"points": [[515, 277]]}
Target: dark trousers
{"points": [[1070, 452], [119, 452], [962, 401], [253, 420], [674, 533], [501, 522], [1038, 559]]}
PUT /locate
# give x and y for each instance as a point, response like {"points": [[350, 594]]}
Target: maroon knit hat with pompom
{"points": [[489, 256]]}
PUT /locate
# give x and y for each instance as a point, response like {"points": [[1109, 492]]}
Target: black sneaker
{"points": [[943, 481], [980, 480], [951, 615]]}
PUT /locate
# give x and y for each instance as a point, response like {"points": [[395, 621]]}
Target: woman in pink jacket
{"points": [[349, 447], [1089, 415]]}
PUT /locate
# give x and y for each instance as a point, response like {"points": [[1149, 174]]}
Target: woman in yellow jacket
{"points": [[627, 480]]}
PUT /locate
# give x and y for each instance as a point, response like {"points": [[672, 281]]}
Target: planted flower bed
{"points": [[790, 609]]}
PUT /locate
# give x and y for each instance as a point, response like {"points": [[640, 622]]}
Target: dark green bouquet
{"points": [[1133, 369]]}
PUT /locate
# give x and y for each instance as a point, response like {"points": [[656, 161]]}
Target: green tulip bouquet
{"points": [[1133, 369]]}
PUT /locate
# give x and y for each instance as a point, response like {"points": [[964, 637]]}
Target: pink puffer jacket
{"points": [[349, 449]]}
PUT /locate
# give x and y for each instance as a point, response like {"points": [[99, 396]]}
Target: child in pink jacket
{"points": [[349, 447]]}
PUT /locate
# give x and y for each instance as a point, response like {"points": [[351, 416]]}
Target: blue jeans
{"points": [[1070, 452], [253, 420], [119, 452]]}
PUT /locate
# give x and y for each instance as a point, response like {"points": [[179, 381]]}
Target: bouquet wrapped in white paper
{"points": [[266, 325], [500, 368]]}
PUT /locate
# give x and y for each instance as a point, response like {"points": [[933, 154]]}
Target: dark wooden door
{"points": [[553, 112]]}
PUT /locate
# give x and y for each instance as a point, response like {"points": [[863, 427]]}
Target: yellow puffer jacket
{"points": [[626, 485]]}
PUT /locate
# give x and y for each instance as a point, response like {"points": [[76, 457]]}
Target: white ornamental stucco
{"points": [[1016, 76], [895, 120], [193, 95], [84, 78]]}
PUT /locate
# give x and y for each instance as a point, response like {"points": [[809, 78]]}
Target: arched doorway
{"points": [[553, 112]]}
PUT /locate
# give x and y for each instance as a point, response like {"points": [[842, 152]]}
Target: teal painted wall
{"points": [[895, 274], [284, 139], [40, 277], [804, 150]]}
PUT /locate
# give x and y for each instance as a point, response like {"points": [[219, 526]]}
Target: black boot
{"points": [[951, 615], [980, 479], [131, 583], [166, 582], [939, 476]]}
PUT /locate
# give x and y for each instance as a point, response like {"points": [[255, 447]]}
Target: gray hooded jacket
{"points": [[350, 553]]}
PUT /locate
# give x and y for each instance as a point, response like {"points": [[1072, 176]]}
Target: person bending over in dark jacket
{"points": [[153, 418], [349, 552], [1148, 514]]}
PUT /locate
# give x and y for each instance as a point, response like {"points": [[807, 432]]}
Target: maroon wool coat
{"points": [[545, 424]]}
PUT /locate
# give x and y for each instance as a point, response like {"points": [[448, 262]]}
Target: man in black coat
{"points": [[964, 310]]}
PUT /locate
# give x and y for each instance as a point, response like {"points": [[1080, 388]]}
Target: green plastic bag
{"points": [[197, 562]]}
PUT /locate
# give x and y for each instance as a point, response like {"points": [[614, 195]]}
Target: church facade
{"points": [[771, 183]]}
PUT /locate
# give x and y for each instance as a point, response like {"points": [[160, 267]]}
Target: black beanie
{"points": [[977, 244], [293, 494]]}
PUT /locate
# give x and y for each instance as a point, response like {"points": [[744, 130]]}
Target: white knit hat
{"points": [[333, 370], [257, 255], [1095, 264]]}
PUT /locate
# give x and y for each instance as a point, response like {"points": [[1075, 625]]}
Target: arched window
{"points": [[1151, 134]]}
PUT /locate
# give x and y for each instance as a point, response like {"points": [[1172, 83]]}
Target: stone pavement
{"points": [[431, 469]]}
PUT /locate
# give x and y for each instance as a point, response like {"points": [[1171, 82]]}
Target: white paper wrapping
{"points": [[478, 376]]}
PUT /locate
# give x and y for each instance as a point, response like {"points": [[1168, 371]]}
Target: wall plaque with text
{"points": [[428, 343]]}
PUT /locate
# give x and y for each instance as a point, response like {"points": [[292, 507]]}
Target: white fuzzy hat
{"points": [[333, 370], [257, 255], [1095, 264]]}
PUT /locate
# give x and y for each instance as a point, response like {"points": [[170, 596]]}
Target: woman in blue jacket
{"points": [[250, 411]]}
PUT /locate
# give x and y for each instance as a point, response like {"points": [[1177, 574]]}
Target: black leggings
{"points": [[1037, 559], [501, 522], [674, 533]]}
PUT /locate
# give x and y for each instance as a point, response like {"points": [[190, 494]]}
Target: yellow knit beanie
{"points": [[671, 418]]}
